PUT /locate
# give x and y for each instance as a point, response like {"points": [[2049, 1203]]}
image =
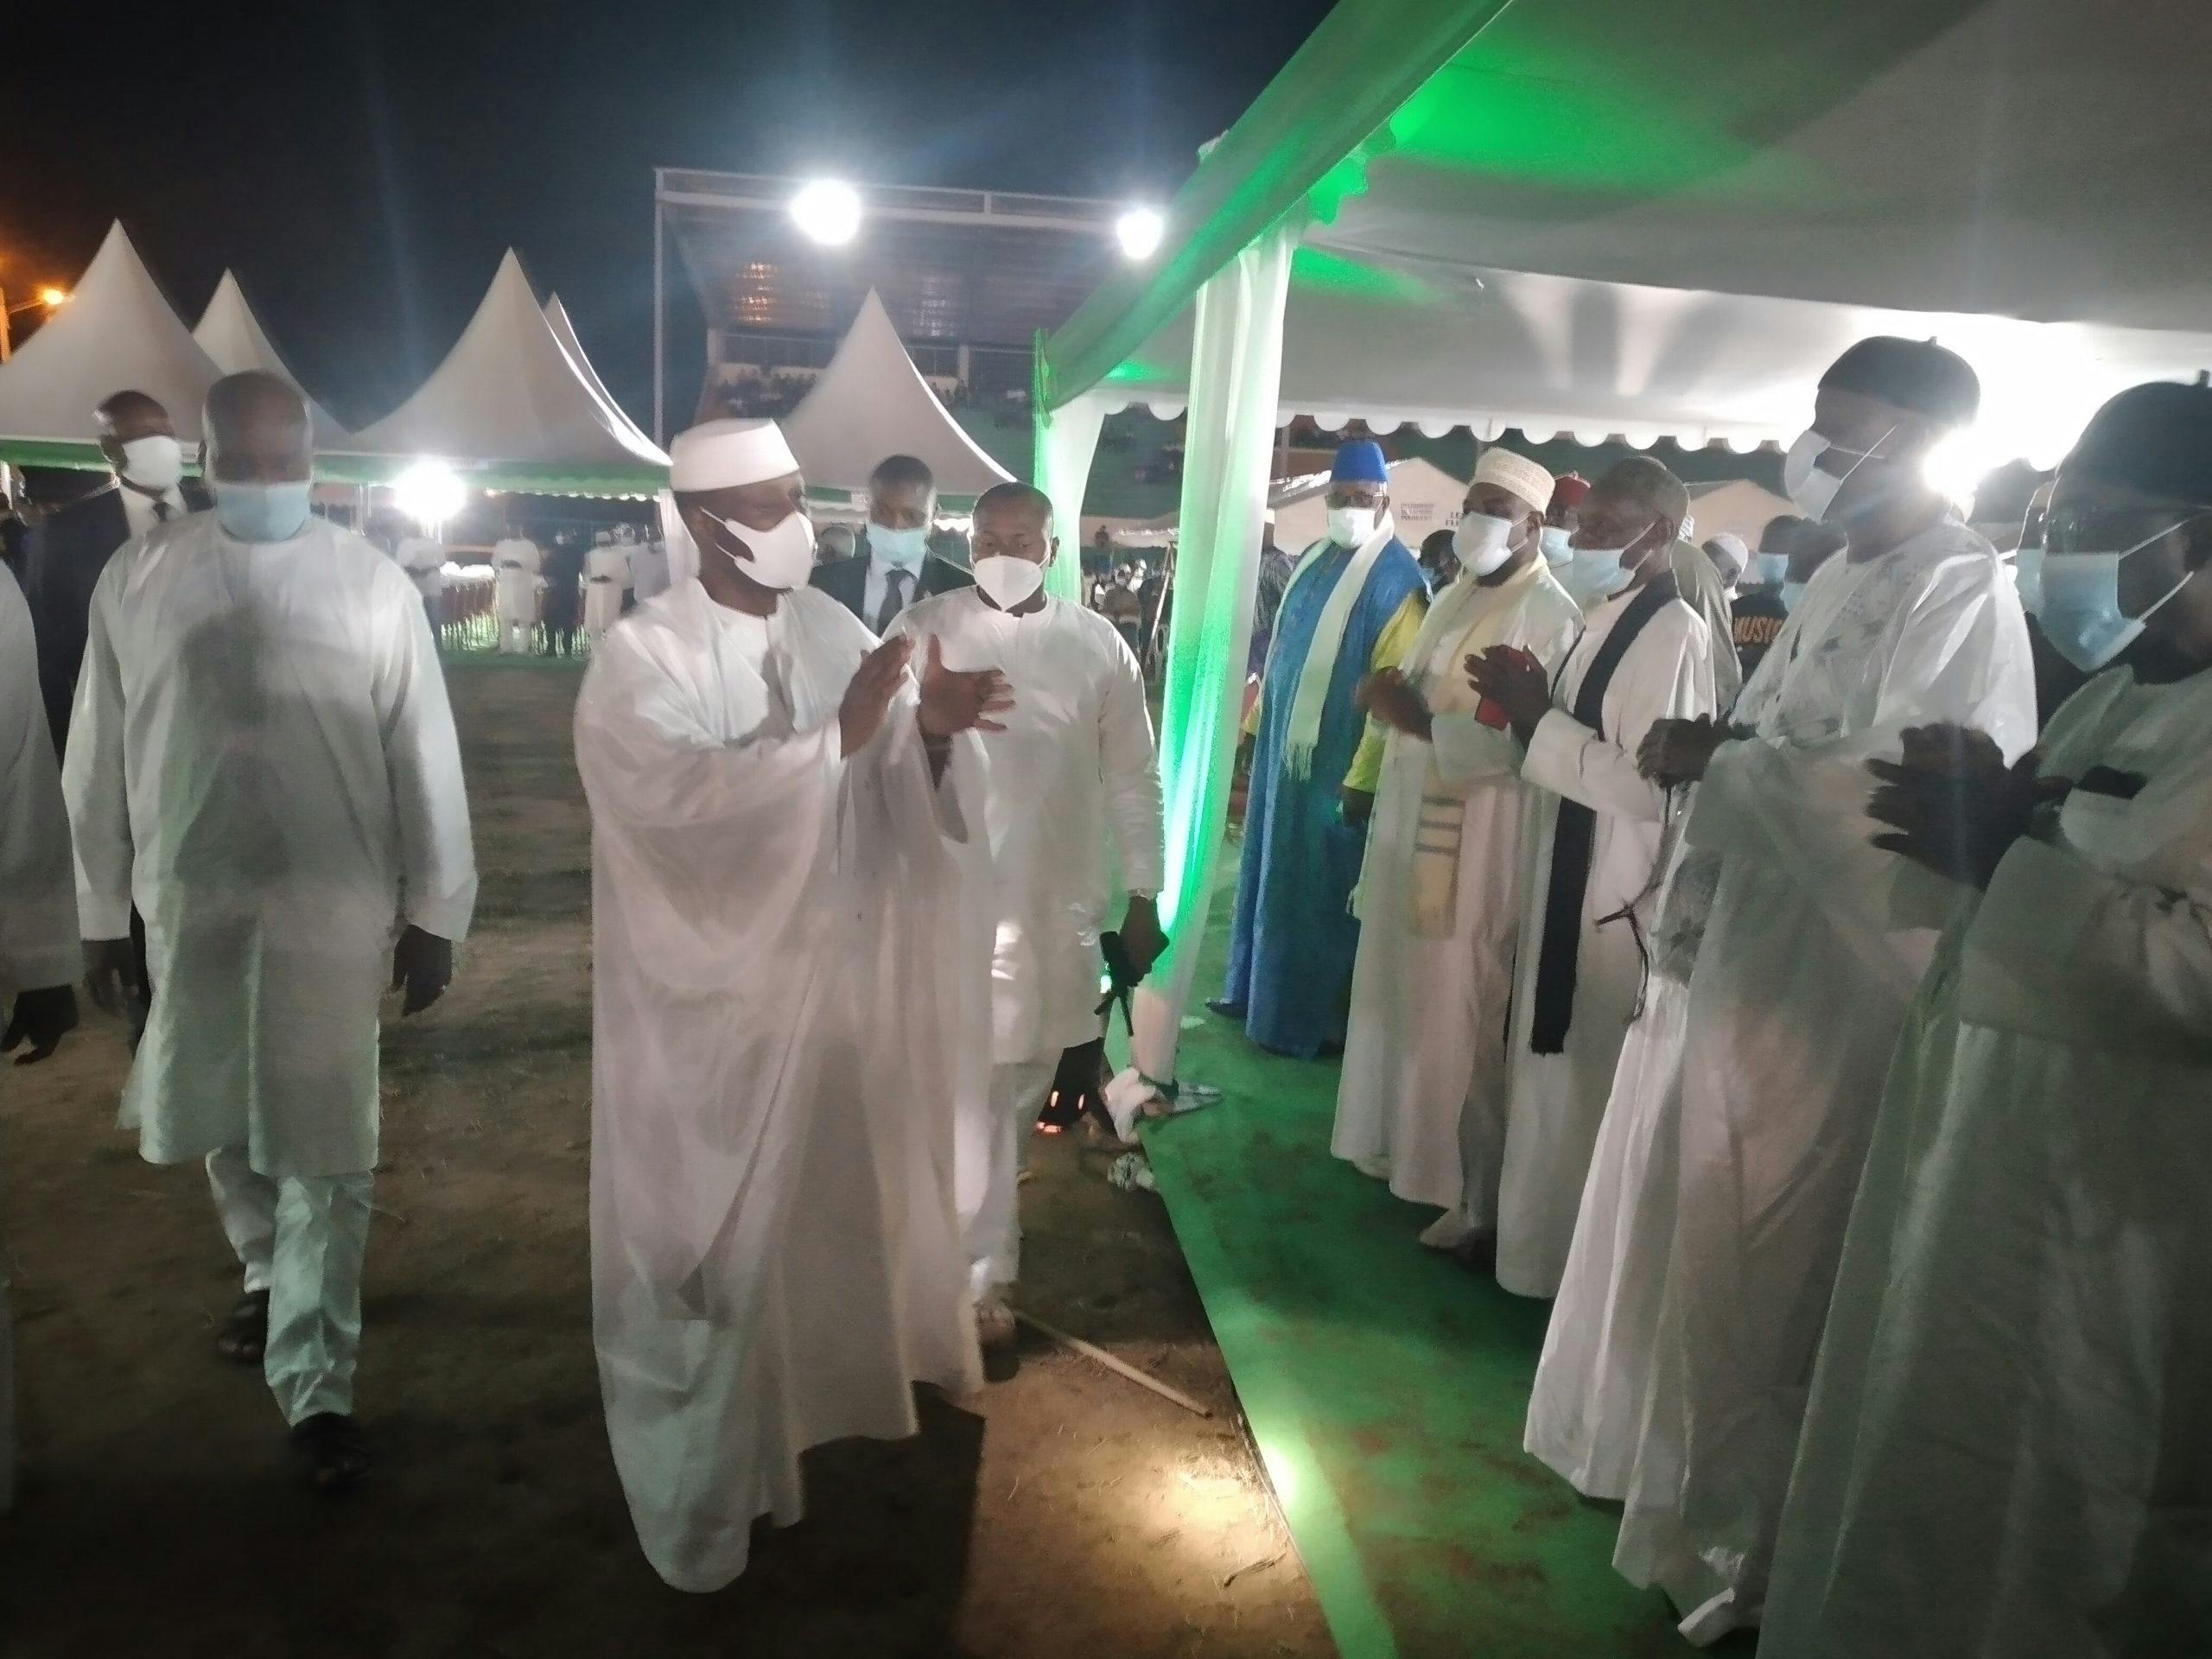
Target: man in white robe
{"points": [[607, 574], [2005, 1454], [1074, 769], [516, 562], [791, 990], [424, 561], [1590, 848], [264, 760], [1803, 976], [1422, 1098], [39, 955]]}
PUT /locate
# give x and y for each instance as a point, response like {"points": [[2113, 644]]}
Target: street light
{"points": [[49, 296], [829, 210], [1140, 231]]}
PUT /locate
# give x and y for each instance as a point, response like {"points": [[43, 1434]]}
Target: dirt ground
{"points": [[1063, 1509]]}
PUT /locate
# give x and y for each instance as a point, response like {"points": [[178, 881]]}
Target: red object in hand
{"points": [[1491, 714]]}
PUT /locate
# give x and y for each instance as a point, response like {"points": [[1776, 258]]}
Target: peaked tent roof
{"points": [[510, 409], [118, 333], [557, 318], [231, 334], [872, 402], [1497, 234]]}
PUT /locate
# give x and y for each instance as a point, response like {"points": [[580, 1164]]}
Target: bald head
{"points": [[257, 430]]}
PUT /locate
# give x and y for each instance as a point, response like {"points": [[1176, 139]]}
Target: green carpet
{"points": [[1386, 1384]]}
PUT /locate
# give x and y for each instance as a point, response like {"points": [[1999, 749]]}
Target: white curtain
{"points": [[1067, 439]]}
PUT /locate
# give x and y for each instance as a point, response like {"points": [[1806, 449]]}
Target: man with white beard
{"points": [[516, 561], [1801, 979], [1590, 850], [264, 758], [1074, 763], [1422, 1101], [790, 991], [40, 956]]}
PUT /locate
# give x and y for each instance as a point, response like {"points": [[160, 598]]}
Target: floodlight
{"points": [[1140, 231], [829, 210]]}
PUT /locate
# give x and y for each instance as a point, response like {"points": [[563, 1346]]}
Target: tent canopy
{"points": [[510, 409], [1665, 220], [232, 336], [118, 333], [872, 402], [556, 318]]}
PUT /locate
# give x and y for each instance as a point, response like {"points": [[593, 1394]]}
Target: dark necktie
{"points": [[894, 597]]}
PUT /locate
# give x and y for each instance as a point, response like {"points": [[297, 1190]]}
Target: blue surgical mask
{"points": [[1557, 542], [1768, 570], [904, 548], [261, 512], [2078, 604], [1594, 573], [1791, 593], [2027, 572]]}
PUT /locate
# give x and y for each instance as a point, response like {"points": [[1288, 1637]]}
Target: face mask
{"points": [[1596, 573], [782, 557], [1557, 542], [904, 548], [1791, 593], [2079, 604], [1483, 542], [154, 463], [1009, 581], [261, 512], [1812, 489], [1350, 527], [1768, 569], [2027, 572]]}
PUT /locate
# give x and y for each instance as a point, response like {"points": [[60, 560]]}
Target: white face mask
{"points": [[782, 558], [1558, 542], [1483, 542], [1597, 573], [904, 548], [1351, 526], [2077, 603], [1009, 582], [1812, 487], [154, 463]]}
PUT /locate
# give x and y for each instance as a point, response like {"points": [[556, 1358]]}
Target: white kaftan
{"points": [[607, 573], [1075, 765], [1556, 1101], [1423, 1087], [2005, 1455], [790, 951], [39, 943], [1799, 988], [516, 561], [264, 758]]}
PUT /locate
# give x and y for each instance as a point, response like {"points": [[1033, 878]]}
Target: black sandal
{"points": [[333, 1457], [243, 1336]]}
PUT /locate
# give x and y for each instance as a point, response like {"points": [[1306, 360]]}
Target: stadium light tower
{"points": [[829, 210]]}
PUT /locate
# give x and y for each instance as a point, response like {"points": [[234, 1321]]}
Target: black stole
{"points": [[1571, 840]]}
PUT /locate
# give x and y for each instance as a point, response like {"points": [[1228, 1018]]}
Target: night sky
{"points": [[362, 163]]}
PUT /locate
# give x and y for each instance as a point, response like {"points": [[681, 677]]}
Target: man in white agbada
{"points": [[424, 561], [607, 573], [39, 955], [1590, 847], [1803, 976], [1422, 1098], [1074, 764], [516, 562], [2005, 1455], [791, 954], [264, 758]]}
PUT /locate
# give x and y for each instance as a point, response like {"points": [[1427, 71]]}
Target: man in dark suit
{"points": [[64, 554], [893, 566]]}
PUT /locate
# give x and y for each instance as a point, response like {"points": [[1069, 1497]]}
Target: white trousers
{"points": [[303, 1240], [994, 1231]]}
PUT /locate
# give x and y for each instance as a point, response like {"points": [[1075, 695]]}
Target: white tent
{"points": [[872, 402], [1424, 499], [512, 407], [232, 336], [116, 332], [557, 318]]}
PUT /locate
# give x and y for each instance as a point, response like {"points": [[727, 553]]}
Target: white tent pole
{"points": [[1236, 382], [660, 323], [1067, 441]]}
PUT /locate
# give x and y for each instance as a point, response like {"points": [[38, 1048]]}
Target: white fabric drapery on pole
{"points": [[1236, 373], [1067, 439]]}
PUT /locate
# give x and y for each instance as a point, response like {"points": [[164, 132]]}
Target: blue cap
{"points": [[1359, 461]]}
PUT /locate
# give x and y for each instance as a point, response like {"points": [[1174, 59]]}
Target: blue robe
{"points": [[1290, 958]]}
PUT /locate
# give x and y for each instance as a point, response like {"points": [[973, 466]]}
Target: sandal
{"points": [[333, 1457], [243, 1336]]}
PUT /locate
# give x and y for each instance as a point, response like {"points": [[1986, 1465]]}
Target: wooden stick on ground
{"points": [[1091, 1351]]}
